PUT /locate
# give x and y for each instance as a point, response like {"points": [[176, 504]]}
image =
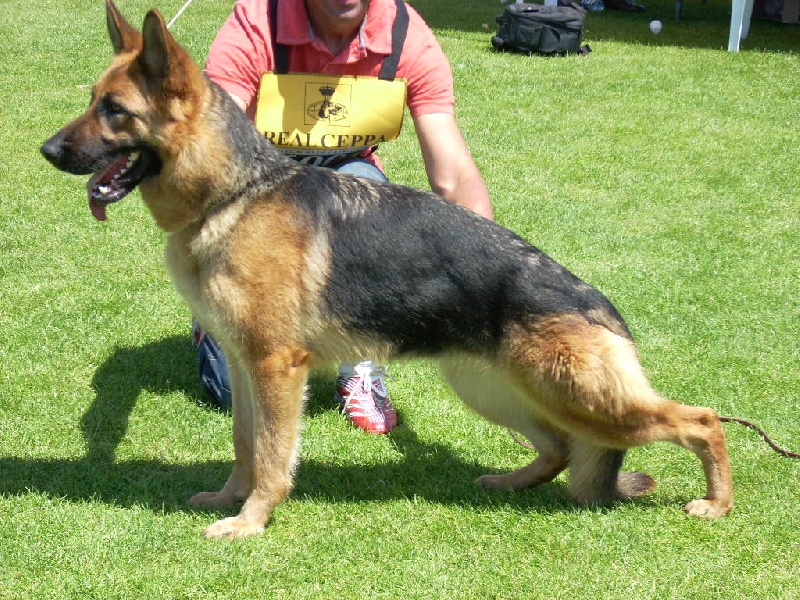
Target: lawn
{"points": [[662, 169]]}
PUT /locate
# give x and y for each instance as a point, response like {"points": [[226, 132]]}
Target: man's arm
{"points": [[239, 102], [451, 171]]}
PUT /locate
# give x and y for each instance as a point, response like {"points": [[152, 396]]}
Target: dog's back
{"points": [[438, 276]]}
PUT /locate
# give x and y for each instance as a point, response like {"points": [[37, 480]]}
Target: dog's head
{"points": [[138, 106]]}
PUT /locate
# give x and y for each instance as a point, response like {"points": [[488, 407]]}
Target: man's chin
{"points": [[343, 11]]}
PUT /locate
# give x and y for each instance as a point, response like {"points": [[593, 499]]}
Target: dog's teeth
{"points": [[132, 158]]}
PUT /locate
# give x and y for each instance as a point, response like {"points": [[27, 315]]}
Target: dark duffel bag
{"points": [[549, 30]]}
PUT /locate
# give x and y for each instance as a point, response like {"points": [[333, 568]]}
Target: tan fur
{"points": [[253, 272]]}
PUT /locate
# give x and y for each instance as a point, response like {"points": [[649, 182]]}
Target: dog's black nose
{"points": [[52, 149]]}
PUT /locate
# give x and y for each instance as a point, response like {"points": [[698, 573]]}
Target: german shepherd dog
{"points": [[292, 267]]}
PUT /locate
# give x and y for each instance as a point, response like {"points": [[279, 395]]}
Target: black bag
{"points": [[550, 30]]}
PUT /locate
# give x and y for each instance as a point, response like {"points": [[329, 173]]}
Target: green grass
{"points": [[660, 168]]}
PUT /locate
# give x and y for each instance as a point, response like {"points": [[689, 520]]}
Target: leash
{"points": [[748, 424], [763, 434], [180, 12]]}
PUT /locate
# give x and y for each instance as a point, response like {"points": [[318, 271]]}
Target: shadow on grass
{"points": [[166, 487], [429, 471]]}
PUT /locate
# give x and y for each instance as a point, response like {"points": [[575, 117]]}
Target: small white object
{"points": [[655, 26]]}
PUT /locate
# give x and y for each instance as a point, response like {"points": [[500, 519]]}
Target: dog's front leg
{"points": [[240, 482], [277, 383]]}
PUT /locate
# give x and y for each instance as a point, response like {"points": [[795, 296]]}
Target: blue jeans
{"points": [[211, 361], [361, 168]]}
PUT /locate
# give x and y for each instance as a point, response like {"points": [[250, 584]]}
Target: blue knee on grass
{"points": [[214, 374]]}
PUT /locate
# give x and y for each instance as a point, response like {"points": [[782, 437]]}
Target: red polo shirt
{"points": [[242, 52]]}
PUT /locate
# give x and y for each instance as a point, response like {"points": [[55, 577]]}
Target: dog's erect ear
{"points": [[155, 56], [124, 38]]}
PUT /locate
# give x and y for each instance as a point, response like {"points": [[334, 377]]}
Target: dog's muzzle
{"points": [[114, 176]]}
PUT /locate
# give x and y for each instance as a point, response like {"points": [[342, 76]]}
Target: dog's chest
{"points": [[185, 271], [194, 253]]}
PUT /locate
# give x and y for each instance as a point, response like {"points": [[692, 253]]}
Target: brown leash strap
{"points": [[763, 434]]}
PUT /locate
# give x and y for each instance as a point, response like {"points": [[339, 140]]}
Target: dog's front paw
{"points": [[233, 527], [710, 509]]}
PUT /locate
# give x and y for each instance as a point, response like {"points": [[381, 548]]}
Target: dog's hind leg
{"points": [[697, 429], [624, 412], [599, 394], [700, 431], [488, 391], [278, 384], [552, 449], [595, 477]]}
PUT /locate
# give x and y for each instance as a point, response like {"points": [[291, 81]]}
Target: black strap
{"points": [[280, 52], [399, 31]]}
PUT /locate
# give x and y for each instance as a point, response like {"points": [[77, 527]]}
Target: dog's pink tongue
{"points": [[97, 199], [98, 210]]}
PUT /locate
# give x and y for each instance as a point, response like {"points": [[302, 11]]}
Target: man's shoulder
{"points": [[385, 12], [253, 7], [420, 40], [416, 22]]}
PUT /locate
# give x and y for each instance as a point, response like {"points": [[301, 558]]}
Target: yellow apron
{"points": [[323, 119]]}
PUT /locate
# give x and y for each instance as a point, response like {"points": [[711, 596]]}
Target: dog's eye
{"points": [[111, 109]]}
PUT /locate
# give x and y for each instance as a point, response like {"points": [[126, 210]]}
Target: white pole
{"points": [[180, 12]]}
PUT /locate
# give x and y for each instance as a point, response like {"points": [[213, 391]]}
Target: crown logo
{"points": [[325, 107]]}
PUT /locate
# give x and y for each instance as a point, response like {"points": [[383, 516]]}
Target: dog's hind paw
{"points": [[212, 500], [496, 482], [710, 509], [632, 484], [233, 527]]}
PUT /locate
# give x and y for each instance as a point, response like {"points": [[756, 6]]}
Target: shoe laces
{"points": [[376, 385], [360, 385]]}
